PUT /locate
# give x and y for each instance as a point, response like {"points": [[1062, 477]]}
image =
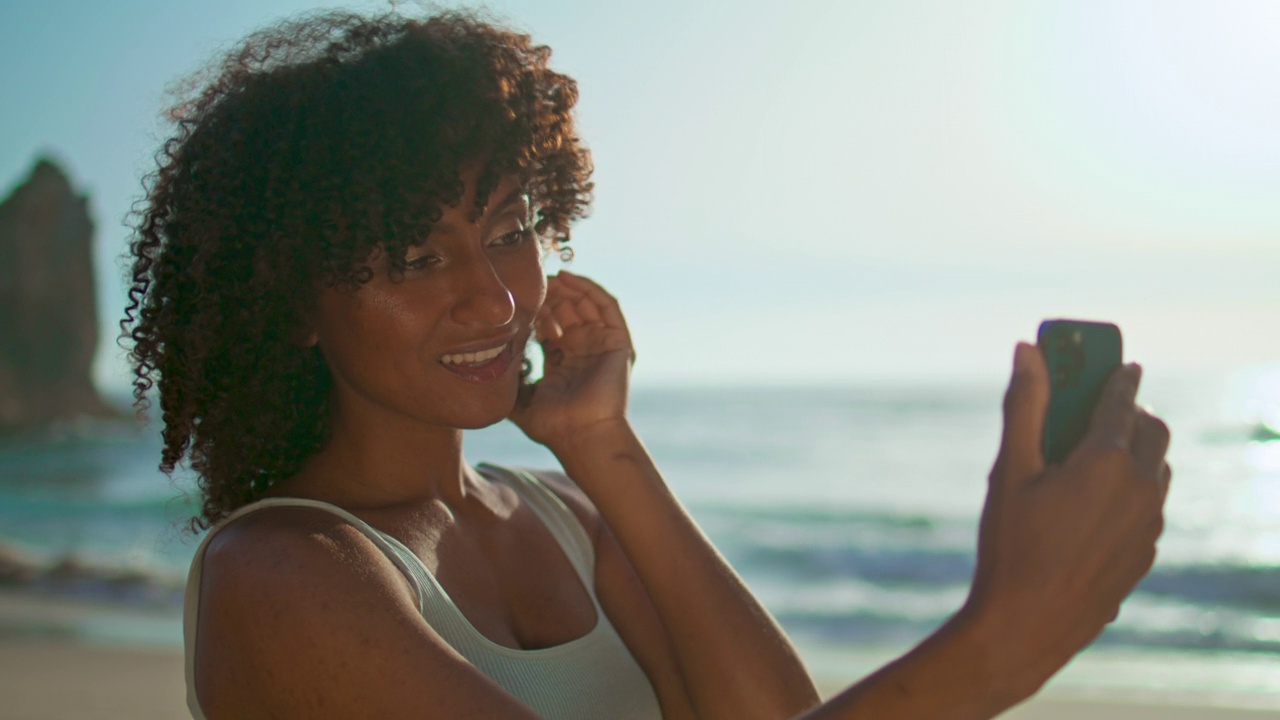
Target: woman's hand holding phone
{"points": [[1060, 546]]}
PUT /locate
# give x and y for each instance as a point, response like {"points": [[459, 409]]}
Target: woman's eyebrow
{"points": [[515, 195]]}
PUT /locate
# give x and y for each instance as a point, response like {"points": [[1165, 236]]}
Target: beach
{"points": [[53, 680], [791, 485]]}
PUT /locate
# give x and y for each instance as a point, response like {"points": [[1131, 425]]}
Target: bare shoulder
{"points": [[280, 558], [301, 615], [280, 549], [262, 576]]}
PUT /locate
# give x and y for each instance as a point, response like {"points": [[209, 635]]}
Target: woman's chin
{"points": [[490, 412], [481, 422]]}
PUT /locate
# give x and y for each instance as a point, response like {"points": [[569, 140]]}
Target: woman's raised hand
{"points": [[1061, 546], [587, 362]]}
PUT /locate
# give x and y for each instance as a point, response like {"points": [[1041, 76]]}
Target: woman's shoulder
{"points": [[301, 615], [285, 554], [271, 534], [259, 578]]}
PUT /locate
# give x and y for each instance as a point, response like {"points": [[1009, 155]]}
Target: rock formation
{"points": [[48, 309]]}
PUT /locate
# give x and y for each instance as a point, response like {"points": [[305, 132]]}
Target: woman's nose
{"points": [[483, 299]]}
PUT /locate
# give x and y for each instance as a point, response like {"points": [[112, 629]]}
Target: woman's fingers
{"points": [[1149, 443], [610, 312], [1025, 401], [588, 318], [564, 309], [547, 327], [588, 311], [1115, 414]]}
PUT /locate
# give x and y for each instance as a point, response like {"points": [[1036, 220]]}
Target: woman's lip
{"points": [[488, 372], [479, 346], [474, 357]]}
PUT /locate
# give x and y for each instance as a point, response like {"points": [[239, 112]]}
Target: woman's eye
{"points": [[420, 262], [512, 239]]}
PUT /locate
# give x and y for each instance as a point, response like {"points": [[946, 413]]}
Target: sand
{"points": [[60, 681]]}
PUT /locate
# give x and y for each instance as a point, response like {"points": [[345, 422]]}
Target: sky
{"points": [[803, 191]]}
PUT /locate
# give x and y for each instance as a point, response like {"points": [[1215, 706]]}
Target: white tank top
{"points": [[593, 677]]}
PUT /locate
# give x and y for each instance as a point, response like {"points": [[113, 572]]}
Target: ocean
{"points": [[851, 511]]}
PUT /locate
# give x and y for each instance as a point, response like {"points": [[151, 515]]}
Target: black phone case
{"points": [[1081, 357]]}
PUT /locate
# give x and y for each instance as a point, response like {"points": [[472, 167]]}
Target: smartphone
{"points": [[1081, 356]]}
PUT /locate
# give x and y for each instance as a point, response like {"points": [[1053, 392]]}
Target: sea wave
{"points": [[852, 514], [817, 546]]}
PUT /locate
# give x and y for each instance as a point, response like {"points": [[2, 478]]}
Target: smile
{"points": [[481, 366], [473, 358]]}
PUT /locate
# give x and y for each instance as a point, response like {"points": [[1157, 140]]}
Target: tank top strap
{"points": [[400, 556], [555, 515]]}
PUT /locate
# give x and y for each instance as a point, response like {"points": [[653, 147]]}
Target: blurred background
{"points": [[828, 223]]}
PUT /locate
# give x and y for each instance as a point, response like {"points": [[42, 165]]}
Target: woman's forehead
{"points": [[508, 189], [507, 195]]}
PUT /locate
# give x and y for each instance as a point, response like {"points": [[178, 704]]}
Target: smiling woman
{"points": [[337, 270], [278, 182], [439, 339]]}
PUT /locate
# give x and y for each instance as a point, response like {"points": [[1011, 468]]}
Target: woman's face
{"points": [[444, 343]]}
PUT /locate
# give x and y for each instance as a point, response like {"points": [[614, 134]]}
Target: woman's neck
{"points": [[383, 463]]}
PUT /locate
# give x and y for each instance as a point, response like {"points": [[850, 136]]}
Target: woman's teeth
{"points": [[473, 358]]}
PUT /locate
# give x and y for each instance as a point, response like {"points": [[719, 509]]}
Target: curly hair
{"points": [[311, 145]]}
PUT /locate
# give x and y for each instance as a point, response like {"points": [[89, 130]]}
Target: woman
{"points": [[337, 269]]}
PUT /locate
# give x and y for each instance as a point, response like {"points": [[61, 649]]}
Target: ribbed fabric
{"points": [[593, 677]]}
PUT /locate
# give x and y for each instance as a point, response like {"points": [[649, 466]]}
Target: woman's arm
{"points": [[729, 648], [1060, 547], [734, 660]]}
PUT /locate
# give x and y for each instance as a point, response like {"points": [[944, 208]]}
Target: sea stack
{"points": [[48, 306]]}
